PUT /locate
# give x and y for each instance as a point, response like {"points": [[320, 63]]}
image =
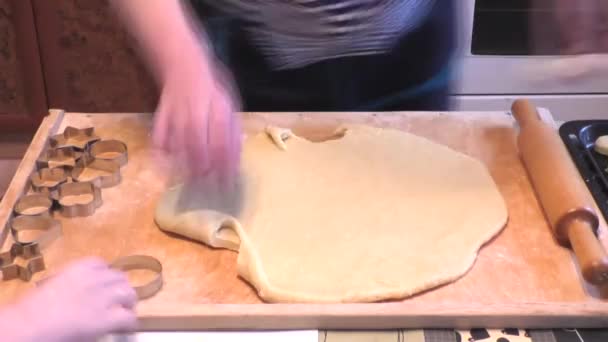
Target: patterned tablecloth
{"points": [[481, 335]]}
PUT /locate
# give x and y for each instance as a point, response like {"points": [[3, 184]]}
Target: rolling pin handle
{"points": [[524, 112], [590, 253]]}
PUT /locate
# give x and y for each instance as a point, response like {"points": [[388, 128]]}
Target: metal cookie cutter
{"points": [[47, 181], [78, 199], [78, 138], [30, 252], [58, 157], [142, 262], [14, 271], [33, 204], [50, 228], [113, 150], [102, 173]]}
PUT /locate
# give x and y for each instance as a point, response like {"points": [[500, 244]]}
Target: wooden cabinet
{"points": [[69, 54], [11, 85], [22, 92], [100, 69]]}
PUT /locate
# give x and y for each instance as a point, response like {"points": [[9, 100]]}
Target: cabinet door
{"points": [[22, 95], [90, 63]]}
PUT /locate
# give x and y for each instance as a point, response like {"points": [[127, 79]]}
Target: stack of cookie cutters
{"points": [[75, 166], [105, 158], [60, 182]]}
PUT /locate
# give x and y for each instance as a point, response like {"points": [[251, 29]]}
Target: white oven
{"points": [[494, 65]]}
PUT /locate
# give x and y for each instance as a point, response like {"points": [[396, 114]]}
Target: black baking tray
{"points": [[579, 138]]}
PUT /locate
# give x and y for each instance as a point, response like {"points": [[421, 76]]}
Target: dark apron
{"points": [[414, 75]]}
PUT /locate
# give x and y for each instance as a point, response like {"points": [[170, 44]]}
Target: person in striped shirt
{"points": [[214, 57]]}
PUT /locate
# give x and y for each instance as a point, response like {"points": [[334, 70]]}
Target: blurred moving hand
{"points": [[195, 120], [582, 26], [575, 29], [84, 302], [569, 27]]}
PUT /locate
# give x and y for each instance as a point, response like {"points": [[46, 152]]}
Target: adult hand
{"points": [[84, 302], [578, 30], [195, 118], [577, 27], [578, 22]]}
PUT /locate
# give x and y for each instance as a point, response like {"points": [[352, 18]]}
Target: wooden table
{"points": [[521, 278]]}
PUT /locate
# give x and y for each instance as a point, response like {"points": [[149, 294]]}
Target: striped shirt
{"points": [[294, 33]]}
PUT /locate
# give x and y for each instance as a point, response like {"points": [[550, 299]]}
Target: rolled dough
{"points": [[377, 214]]}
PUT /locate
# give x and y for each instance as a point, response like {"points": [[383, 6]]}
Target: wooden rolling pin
{"points": [[561, 192]]}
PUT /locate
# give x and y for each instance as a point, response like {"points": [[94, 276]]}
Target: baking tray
{"points": [[579, 137]]}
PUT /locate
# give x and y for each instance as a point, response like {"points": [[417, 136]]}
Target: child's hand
{"points": [[86, 301]]}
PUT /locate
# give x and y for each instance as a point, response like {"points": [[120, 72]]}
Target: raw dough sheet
{"points": [[372, 215]]}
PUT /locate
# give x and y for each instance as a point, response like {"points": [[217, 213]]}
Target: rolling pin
{"points": [[561, 191]]}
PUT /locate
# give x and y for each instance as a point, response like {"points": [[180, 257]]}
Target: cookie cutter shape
{"points": [[142, 262], [102, 173], [26, 252], [50, 229], [58, 157], [47, 181], [33, 205], [15, 271], [29, 252], [78, 199], [114, 150], [78, 138]]}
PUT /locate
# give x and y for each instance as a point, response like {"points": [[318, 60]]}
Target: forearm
{"points": [[14, 327], [165, 30]]}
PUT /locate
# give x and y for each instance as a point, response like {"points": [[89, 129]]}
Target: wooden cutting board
{"points": [[521, 278]]}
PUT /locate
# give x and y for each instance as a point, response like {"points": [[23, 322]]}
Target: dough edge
{"points": [[250, 268], [212, 222]]}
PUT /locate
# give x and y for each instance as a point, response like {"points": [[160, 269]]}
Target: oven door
{"points": [[494, 64]]}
